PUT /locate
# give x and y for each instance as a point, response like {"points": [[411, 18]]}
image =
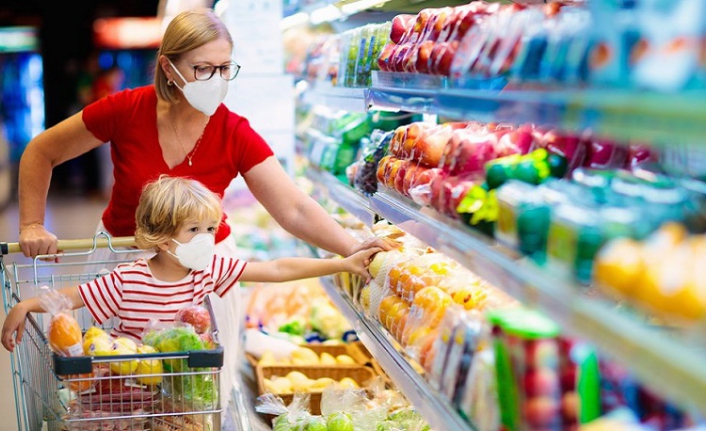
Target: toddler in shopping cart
{"points": [[177, 218]]}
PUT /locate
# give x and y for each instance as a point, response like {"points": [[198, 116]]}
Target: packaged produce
{"points": [[527, 366], [463, 345], [196, 316], [479, 401], [64, 332]]}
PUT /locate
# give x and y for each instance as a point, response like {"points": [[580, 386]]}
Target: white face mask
{"points": [[197, 253], [204, 96]]}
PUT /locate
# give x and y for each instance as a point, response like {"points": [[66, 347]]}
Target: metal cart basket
{"points": [[172, 391]]}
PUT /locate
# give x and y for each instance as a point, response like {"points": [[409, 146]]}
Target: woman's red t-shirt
{"points": [[128, 120]]}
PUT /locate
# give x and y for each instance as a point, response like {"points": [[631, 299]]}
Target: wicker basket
{"points": [[335, 350], [360, 374]]}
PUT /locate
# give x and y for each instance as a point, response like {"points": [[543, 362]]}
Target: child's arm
{"points": [[297, 268], [15, 320]]}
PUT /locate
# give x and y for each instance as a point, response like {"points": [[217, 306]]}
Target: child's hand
{"points": [[14, 322], [358, 262]]}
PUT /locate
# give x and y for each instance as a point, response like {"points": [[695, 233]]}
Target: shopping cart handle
{"points": [[75, 244]]}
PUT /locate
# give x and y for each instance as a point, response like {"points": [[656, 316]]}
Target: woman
{"points": [[178, 126]]}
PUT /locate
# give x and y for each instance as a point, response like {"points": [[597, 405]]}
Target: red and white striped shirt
{"points": [[132, 294]]}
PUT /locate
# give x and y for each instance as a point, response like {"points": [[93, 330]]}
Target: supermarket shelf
{"points": [[434, 408], [625, 338], [349, 199], [623, 114], [347, 99], [682, 371], [402, 99]]}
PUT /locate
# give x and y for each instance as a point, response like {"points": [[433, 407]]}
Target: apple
{"points": [[566, 145], [637, 154], [400, 176], [473, 152], [429, 149], [420, 23], [385, 57], [456, 192], [195, 315], [424, 51], [542, 353], [383, 167], [409, 63], [410, 173], [604, 154], [541, 412], [392, 173], [400, 25], [420, 187], [541, 382], [398, 57], [437, 24], [515, 142]]}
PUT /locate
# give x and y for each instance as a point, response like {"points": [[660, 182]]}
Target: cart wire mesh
{"points": [[142, 391]]}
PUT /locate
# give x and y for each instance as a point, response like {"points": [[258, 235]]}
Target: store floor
{"points": [[70, 217]]}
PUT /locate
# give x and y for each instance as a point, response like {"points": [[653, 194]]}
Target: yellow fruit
{"points": [[93, 331], [127, 343], [618, 266], [127, 366], [267, 358], [278, 385], [99, 345], [299, 381], [304, 356], [345, 360], [146, 348], [321, 383], [327, 359], [376, 264], [348, 382], [149, 366]]}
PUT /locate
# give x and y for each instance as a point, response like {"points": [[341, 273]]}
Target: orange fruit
{"points": [[65, 335]]}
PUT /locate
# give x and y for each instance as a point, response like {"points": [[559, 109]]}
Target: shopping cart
{"points": [[85, 392]]}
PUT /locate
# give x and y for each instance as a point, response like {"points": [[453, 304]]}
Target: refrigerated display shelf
{"points": [[669, 363], [656, 118], [436, 410], [347, 99]]}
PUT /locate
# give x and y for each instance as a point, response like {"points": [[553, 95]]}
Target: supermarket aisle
{"points": [[69, 218]]}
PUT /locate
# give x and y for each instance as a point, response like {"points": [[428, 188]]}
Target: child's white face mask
{"points": [[197, 253]]}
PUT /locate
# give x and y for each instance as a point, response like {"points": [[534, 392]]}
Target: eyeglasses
{"points": [[204, 72]]}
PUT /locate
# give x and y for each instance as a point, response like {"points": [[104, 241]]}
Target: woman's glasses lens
{"points": [[206, 72]]}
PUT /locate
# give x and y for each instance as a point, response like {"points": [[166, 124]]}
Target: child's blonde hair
{"points": [[167, 203]]}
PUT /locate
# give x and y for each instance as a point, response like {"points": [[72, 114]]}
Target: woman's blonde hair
{"points": [[187, 31], [169, 202]]}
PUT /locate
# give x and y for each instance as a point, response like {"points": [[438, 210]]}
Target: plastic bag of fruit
{"points": [[292, 417], [64, 332]]}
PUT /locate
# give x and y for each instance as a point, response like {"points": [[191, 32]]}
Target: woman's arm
{"points": [[298, 213], [60, 143], [297, 268], [15, 320]]}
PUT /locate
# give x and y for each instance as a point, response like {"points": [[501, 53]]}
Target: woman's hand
{"points": [[14, 323], [383, 244], [358, 262], [36, 240]]}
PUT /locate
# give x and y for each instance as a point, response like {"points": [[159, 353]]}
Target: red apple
{"points": [[399, 56], [424, 50], [385, 58], [542, 412], [541, 382], [420, 23], [455, 191], [429, 148], [195, 315], [410, 173], [401, 174], [400, 25], [473, 152], [604, 154], [441, 64], [567, 145], [515, 142], [420, 184]]}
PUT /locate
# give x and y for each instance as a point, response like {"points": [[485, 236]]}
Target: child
{"points": [[177, 218]]}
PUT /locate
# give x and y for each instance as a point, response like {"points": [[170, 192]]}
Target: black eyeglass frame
{"points": [[219, 68]]}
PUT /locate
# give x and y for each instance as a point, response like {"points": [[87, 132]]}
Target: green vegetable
{"points": [[316, 423], [339, 422], [296, 326]]}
